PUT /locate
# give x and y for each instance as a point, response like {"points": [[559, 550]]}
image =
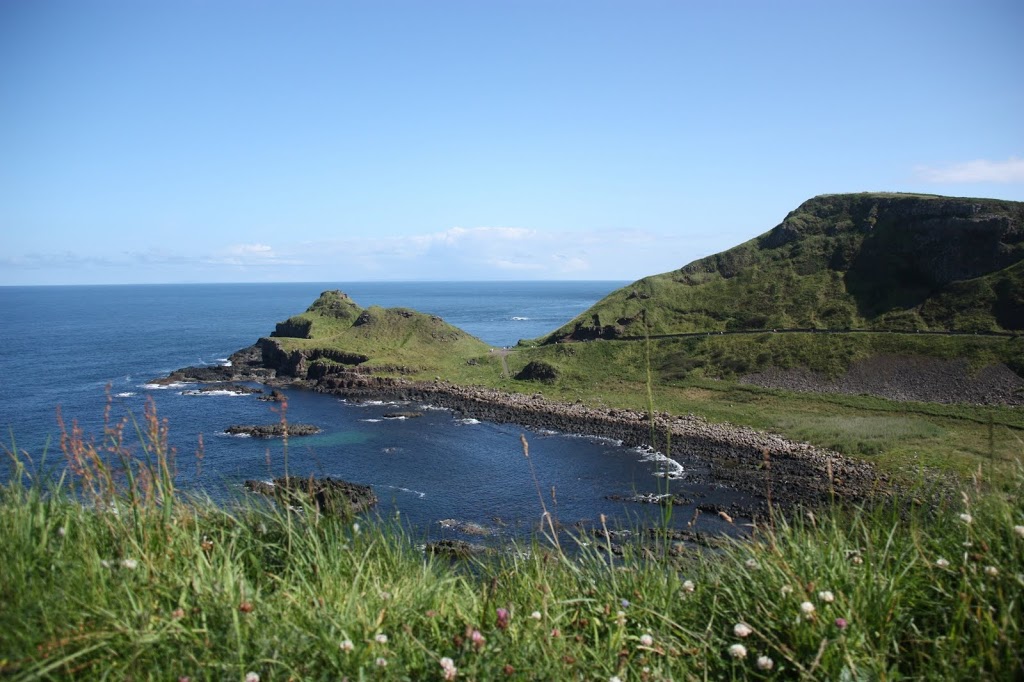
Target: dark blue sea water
{"points": [[63, 346]]}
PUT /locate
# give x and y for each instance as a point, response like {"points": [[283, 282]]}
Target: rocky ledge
{"points": [[271, 430], [328, 495]]}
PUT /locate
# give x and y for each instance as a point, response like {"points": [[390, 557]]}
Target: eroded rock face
{"points": [[328, 495]]}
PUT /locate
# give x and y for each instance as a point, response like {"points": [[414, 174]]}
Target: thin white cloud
{"points": [[979, 170]]}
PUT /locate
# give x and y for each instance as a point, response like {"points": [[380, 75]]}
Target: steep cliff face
{"points": [[872, 261]]}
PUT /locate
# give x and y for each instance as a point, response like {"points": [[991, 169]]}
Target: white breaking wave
{"points": [[220, 393], [223, 362], [667, 467], [126, 394], [468, 420], [520, 318], [399, 488], [177, 385], [371, 420]]}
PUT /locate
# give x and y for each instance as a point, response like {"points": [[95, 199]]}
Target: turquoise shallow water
{"points": [[65, 345]]}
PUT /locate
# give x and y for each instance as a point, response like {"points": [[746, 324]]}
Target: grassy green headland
{"points": [[863, 261], [112, 574]]}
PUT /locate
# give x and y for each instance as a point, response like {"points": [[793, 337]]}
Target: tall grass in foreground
{"points": [[127, 585]]}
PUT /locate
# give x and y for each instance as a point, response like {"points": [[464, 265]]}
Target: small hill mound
{"points": [[862, 261], [335, 335]]}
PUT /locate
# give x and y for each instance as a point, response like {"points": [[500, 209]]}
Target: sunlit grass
{"points": [[104, 582]]}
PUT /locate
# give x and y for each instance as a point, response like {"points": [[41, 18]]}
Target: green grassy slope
{"points": [[335, 331], [867, 261]]}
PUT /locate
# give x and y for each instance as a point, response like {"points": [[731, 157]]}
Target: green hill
{"points": [[862, 261], [336, 335]]}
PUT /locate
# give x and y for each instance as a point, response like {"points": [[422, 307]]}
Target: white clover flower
{"points": [[966, 518], [448, 666], [826, 596], [807, 608], [941, 563], [381, 638], [535, 615], [688, 586], [991, 571], [742, 630], [130, 564], [355, 529], [856, 560], [62, 531], [614, 678], [786, 590], [738, 651], [765, 663], [381, 662], [620, 618], [646, 640], [252, 677], [1019, 530], [346, 645], [752, 564]]}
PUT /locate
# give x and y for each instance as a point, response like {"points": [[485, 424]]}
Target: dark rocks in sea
{"points": [[401, 415], [229, 388], [328, 495], [454, 549], [271, 430], [275, 396]]}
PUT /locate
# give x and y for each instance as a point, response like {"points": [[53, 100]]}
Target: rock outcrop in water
{"points": [[328, 495], [271, 430]]}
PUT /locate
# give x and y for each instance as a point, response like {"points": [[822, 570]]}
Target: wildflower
{"points": [[448, 666], [207, 544], [688, 586], [62, 531], [555, 633], [738, 651], [510, 671], [614, 678], [346, 645], [130, 564], [620, 618], [841, 623], [742, 630], [786, 590], [380, 638], [826, 596], [941, 563], [624, 603], [246, 607], [178, 613], [385, 596], [966, 518], [478, 639], [252, 677], [856, 560], [752, 564], [535, 615], [807, 608], [765, 663], [991, 571], [381, 662], [502, 619], [355, 529], [184, 678], [646, 640], [1019, 530]]}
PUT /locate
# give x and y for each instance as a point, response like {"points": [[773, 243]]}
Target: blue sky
{"points": [[220, 141]]}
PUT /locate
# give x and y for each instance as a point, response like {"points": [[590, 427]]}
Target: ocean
{"points": [[67, 347]]}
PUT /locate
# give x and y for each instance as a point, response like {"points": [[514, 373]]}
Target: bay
{"points": [[66, 345]]}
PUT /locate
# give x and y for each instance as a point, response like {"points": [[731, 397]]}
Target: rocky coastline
{"points": [[770, 469], [767, 466]]}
